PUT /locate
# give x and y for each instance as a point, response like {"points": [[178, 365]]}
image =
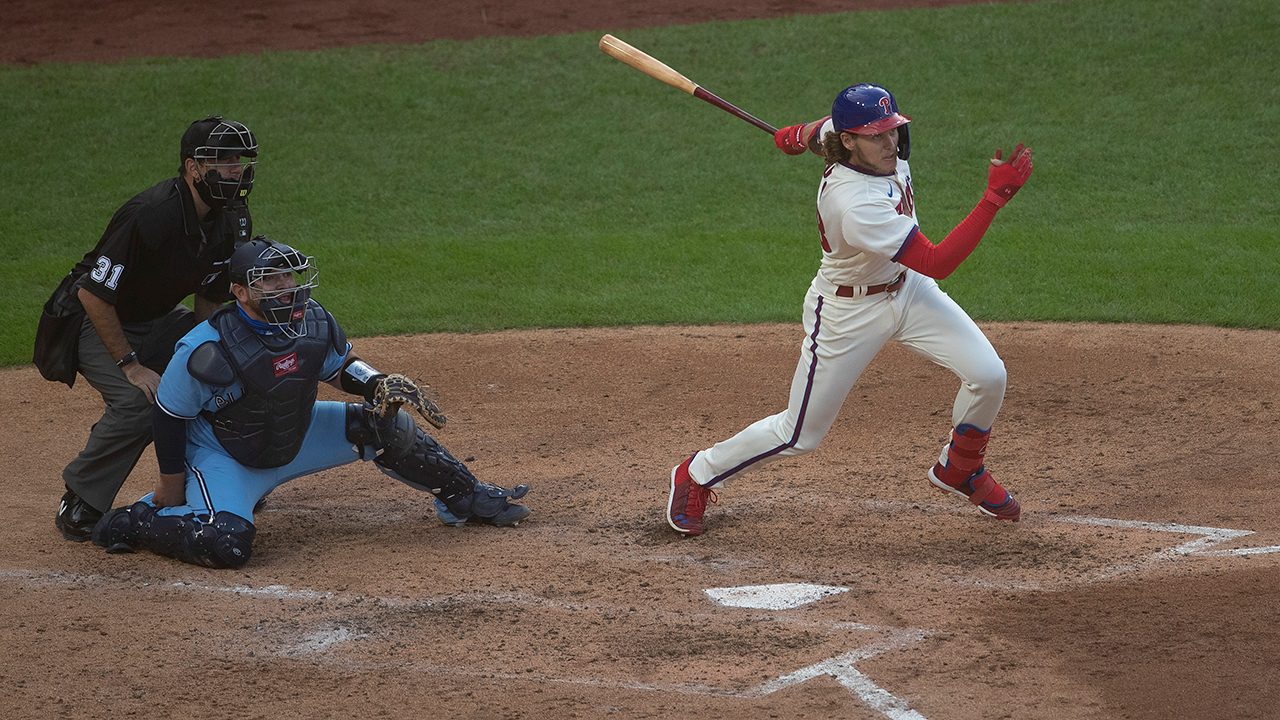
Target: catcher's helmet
{"points": [[260, 258], [867, 109], [216, 142]]}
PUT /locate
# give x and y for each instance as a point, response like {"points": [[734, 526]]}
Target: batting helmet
{"points": [[867, 109], [284, 307], [217, 142]]}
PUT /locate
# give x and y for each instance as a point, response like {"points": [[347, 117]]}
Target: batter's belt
{"points": [[827, 287]]}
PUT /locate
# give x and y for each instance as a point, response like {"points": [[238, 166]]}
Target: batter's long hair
{"points": [[833, 149]]}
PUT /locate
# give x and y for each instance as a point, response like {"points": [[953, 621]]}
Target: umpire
{"points": [[123, 302]]}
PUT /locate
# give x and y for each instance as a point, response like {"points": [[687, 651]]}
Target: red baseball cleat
{"points": [[688, 501], [980, 489]]}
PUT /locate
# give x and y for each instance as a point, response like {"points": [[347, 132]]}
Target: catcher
{"points": [[236, 416]]}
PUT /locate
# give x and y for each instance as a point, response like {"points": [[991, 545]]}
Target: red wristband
{"points": [[789, 141], [994, 197]]}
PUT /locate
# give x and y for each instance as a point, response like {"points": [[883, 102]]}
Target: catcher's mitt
{"points": [[395, 390]]}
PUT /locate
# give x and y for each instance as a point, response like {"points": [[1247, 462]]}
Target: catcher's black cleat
{"points": [[509, 516], [76, 518]]}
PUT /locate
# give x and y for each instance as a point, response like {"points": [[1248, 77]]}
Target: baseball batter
{"points": [[876, 283], [236, 416]]}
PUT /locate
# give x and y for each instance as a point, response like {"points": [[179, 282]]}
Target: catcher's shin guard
{"points": [[406, 453], [221, 541]]}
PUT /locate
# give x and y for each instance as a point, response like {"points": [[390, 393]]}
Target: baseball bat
{"points": [[619, 50]]}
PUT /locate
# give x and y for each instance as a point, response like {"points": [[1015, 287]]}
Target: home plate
{"points": [[772, 597]]}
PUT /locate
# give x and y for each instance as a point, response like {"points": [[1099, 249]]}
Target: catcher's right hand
{"points": [[392, 391]]}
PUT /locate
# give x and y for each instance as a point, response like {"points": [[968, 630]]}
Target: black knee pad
{"points": [[139, 527], [116, 530], [225, 541]]}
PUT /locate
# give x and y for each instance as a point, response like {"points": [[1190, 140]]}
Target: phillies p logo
{"points": [[886, 105]]}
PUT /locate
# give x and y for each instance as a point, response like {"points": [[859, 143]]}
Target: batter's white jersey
{"points": [[865, 221]]}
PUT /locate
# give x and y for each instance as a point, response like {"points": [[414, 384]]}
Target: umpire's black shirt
{"points": [[156, 251]]}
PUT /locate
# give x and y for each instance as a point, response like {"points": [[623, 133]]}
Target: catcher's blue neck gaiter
{"points": [[262, 328]]}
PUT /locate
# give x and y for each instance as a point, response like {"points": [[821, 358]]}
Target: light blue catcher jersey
{"points": [[185, 397]]}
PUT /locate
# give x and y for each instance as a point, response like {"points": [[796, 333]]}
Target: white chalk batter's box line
{"points": [[780, 596], [1209, 535], [1195, 547], [839, 668]]}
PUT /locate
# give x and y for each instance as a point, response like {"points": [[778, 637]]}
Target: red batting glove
{"points": [[789, 139], [1004, 179]]}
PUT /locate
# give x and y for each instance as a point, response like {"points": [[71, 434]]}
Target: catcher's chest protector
{"points": [[266, 426]]}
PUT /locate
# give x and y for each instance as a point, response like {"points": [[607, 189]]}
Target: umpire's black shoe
{"points": [[76, 518]]}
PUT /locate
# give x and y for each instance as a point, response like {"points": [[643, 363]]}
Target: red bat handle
{"points": [[702, 94]]}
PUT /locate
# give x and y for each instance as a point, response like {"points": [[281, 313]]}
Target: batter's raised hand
{"points": [[796, 139], [1005, 178]]}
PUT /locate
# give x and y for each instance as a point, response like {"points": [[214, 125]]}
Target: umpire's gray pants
{"points": [[118, 439]]}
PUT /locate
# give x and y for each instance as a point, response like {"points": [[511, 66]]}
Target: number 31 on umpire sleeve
{"points": [[106, 273]]}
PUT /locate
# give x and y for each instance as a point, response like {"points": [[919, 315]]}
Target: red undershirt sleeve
{"points": [[939, 261]]}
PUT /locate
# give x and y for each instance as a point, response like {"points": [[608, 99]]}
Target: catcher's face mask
{"points": [[280, 287]]}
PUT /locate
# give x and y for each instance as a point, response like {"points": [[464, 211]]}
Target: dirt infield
{"points": [[1133, 449], [1140, 583]]}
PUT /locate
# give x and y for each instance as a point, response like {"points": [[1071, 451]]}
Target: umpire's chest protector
{"points": [[266, 426]]}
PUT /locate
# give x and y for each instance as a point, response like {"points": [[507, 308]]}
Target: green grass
{"points": [[536, 182]]}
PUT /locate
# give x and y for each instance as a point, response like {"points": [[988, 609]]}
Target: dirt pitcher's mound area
{"points": [[1140, 583]]}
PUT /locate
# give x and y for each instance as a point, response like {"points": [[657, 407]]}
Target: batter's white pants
{"points": [[842, 335]]}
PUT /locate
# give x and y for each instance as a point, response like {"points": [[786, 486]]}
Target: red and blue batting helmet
{"points": [[867, 109]]}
